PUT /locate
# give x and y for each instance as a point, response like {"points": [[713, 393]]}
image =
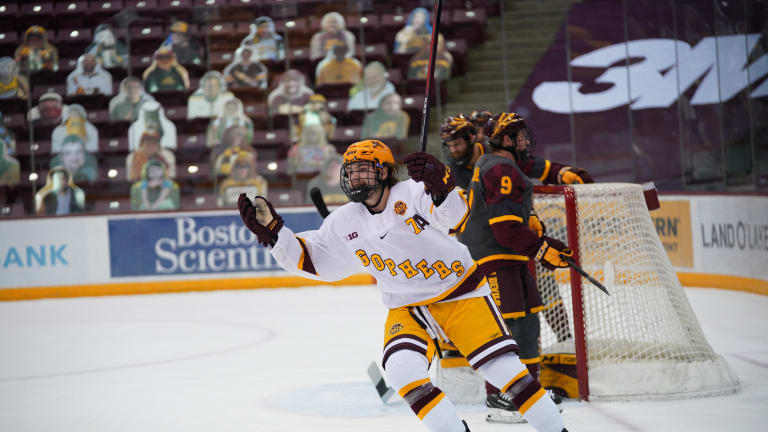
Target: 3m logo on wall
{"points": [[661, 70], [190, 245]]}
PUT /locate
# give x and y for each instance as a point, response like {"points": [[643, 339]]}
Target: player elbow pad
{"points": [[517, 237]]}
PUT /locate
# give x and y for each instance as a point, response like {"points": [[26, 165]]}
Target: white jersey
{"points": [[406, 248]]}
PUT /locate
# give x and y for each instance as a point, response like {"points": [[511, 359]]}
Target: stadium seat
{"points": [[40, 147], [9, 11], [345, 136], [36, 12], [9, 38], [113, 145], [270, 139], [71, 14], [141, 5], [110, 205], [334, 91], [12, 210], [198, 201], [286, 197], [12, 105], [100, 10]]}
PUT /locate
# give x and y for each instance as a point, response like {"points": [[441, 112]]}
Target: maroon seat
{"points": [[287, 197], [193, 171], [36, 12], [8, 13], [223, 30], [109, 205], [198, 201], [273, 138], [113, 145], [370, 24], [142, 32], [345, 136], [73, 35], [12, 105], [38, 147], [373, 52], [100, 10], [12, 210], [469, 25], [112, 174], [71, 13], [141, 5], [334, 91], [220, 60], [176, 113], [9, 38], [458, 49], [174, 8], [99, 117], [193, 142]]}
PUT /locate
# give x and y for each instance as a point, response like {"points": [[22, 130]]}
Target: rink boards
{"points": [[712, 240], [142, 253]]}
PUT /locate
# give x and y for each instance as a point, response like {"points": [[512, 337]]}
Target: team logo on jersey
{"points": [[396, 327], [400, 208]]}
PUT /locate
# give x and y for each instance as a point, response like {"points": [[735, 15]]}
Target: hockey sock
{"points": [[538, 409], [407, 371], [490, 389], [533, 366], [511, 376]]}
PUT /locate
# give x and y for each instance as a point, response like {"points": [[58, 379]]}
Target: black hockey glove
{"points": [[437, 178], [260, 217]]}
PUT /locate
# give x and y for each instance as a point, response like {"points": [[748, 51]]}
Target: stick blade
{"points": [[385, 392], [319, 202], [609, 275]]}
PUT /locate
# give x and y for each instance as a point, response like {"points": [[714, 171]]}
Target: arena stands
{"points": [[168, 46]]}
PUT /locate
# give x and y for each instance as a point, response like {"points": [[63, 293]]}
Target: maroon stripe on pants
{"points": [[492, 309], [494, 354], [485, 346], [529, 390], [400, 347], [424, 400]]}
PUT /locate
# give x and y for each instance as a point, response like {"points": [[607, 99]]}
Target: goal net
{"points": [[641, 342]]}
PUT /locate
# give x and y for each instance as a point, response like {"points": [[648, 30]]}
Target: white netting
{"points": [[643, 341]]}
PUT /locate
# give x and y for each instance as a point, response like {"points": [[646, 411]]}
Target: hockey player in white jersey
{"points": [[398, 232]]}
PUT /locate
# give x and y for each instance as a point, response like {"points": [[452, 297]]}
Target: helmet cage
{"points": [[367, 183], [466, 156]]}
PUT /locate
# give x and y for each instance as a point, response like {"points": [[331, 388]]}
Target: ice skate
{"points": [[502, 410]]}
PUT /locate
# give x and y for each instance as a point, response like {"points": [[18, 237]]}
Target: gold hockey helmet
{"points": [[369, 150]]}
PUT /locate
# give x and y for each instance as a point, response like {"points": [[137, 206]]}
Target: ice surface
{"points": [[291, 360]]}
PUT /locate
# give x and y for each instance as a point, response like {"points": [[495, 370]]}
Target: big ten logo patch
{"points": [[396, 327], [350, 236], [400, 208]]}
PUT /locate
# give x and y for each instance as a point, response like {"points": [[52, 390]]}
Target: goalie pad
{"points": [[558, 372]]}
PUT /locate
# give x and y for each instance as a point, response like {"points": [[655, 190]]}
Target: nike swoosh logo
{"points": [[385, 234]]}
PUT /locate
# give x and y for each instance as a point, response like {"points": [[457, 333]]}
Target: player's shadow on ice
{"points": [[351, 399]]}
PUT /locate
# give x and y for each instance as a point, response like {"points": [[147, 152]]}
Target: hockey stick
{"points": [[608, 272], [385, 392], [319, 202], [430, 72]]}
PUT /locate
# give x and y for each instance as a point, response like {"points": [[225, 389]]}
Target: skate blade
{"points": [[496, 415]]}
